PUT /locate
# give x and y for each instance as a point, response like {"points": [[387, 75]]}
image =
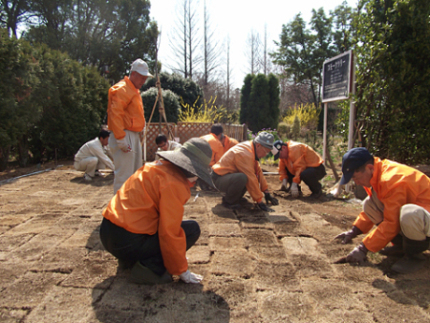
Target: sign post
{"points": [[338, 81]]}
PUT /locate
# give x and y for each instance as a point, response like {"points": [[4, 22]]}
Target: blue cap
{"points": [[353, 159], [277, 146]]}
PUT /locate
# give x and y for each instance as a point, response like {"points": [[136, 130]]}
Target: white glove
{"points": [[123, 145], [189, 277], [294, 190], [285, 183]]}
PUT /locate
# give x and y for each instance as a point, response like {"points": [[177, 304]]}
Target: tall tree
{"points": [[253, 52], [107, 35], [393, 78], [12, 13], [302, 51], [210, 51], [245, 99], [185, 44]]}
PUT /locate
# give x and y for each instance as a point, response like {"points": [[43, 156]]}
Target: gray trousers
{"points": [[414, 233], [125, 163], [233, 185]]}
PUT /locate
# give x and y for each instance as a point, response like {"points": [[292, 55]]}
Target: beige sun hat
{"points": [[194, 156]]}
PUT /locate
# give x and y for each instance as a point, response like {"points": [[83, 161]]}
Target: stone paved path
{"points": [[257, 266]]}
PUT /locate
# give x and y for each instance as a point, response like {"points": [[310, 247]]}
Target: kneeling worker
{"points": [[398, 204], [165, 145], [91, 157], [239, 170], [299, 162], [142, 224]]}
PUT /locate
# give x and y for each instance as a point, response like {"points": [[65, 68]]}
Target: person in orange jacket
{"points": [[214, 140], [126, 122], [239, 171], [299, 162], [142, 225], [228, 142], [398, 203]]}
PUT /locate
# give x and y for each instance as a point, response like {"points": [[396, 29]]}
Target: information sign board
{"points": [[337, 77]]}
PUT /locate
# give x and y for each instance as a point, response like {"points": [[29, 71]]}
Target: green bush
{"points": [[171, 105]]}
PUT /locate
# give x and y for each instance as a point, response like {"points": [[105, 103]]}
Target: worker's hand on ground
{"points": [[284, 186], [191, 278], [263, 206], [359, 254], [347, 236], [294, 190], [271, 199], [123, 145]]}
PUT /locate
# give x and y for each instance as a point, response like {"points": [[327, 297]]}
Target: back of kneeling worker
{"points": [[142, 224]]}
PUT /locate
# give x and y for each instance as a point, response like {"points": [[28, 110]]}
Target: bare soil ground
{"points": [[257, 266]]}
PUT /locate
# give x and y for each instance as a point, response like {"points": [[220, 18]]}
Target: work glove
{"points": [[190, 278], [271, 199], [359, 254], [284, 186], [347, 236], [294, 190], [123, 145], [263, 206]]}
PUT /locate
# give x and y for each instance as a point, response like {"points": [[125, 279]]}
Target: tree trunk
{"points": [[23, 151], [4, 157]]}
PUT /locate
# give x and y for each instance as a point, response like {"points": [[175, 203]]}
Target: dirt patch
{"points": [[258, 266]]}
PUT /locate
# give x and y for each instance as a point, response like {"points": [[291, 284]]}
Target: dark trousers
{"points": [[132, 247], [311, 177], [233, 185], [411, 247]]}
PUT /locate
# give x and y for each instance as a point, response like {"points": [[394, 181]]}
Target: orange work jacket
{"points": [[300, 157], [125, 108], [241, 159], [152, 200], [216, 146], [228, 142], [395, 185]]}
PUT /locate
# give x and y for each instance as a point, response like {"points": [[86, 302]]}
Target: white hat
{"points": [[140, 67]]}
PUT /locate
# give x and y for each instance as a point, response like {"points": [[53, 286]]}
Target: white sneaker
{"points": [[97, 173], [87, 177]]}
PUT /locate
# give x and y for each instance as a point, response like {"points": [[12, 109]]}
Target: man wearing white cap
{"points": [[126, 121]]}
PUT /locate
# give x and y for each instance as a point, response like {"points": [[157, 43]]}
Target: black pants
{"points": [[411, 247], [311, 177], [131, 247]]}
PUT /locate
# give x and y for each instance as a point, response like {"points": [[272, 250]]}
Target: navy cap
{"points": [[353, 159], [277, 146]]}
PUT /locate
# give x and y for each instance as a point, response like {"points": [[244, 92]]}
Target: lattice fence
{"points": [[188, 130]]}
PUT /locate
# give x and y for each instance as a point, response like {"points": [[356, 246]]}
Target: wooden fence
{"points": [[187, 130]]}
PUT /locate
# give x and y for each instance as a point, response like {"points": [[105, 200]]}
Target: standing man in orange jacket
{"points": [[398, 204], [239, 171], [299, 162], [126, 122], [142, 225]]}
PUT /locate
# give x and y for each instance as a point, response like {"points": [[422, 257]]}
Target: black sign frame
{"points": [[337, 75]]}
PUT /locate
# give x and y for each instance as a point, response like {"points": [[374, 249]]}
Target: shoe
{"points": [[409, 264], [123, 264], [97, 173], [230, 206], [392, 251], [316, 195], [142, 275], [87, 177]]}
